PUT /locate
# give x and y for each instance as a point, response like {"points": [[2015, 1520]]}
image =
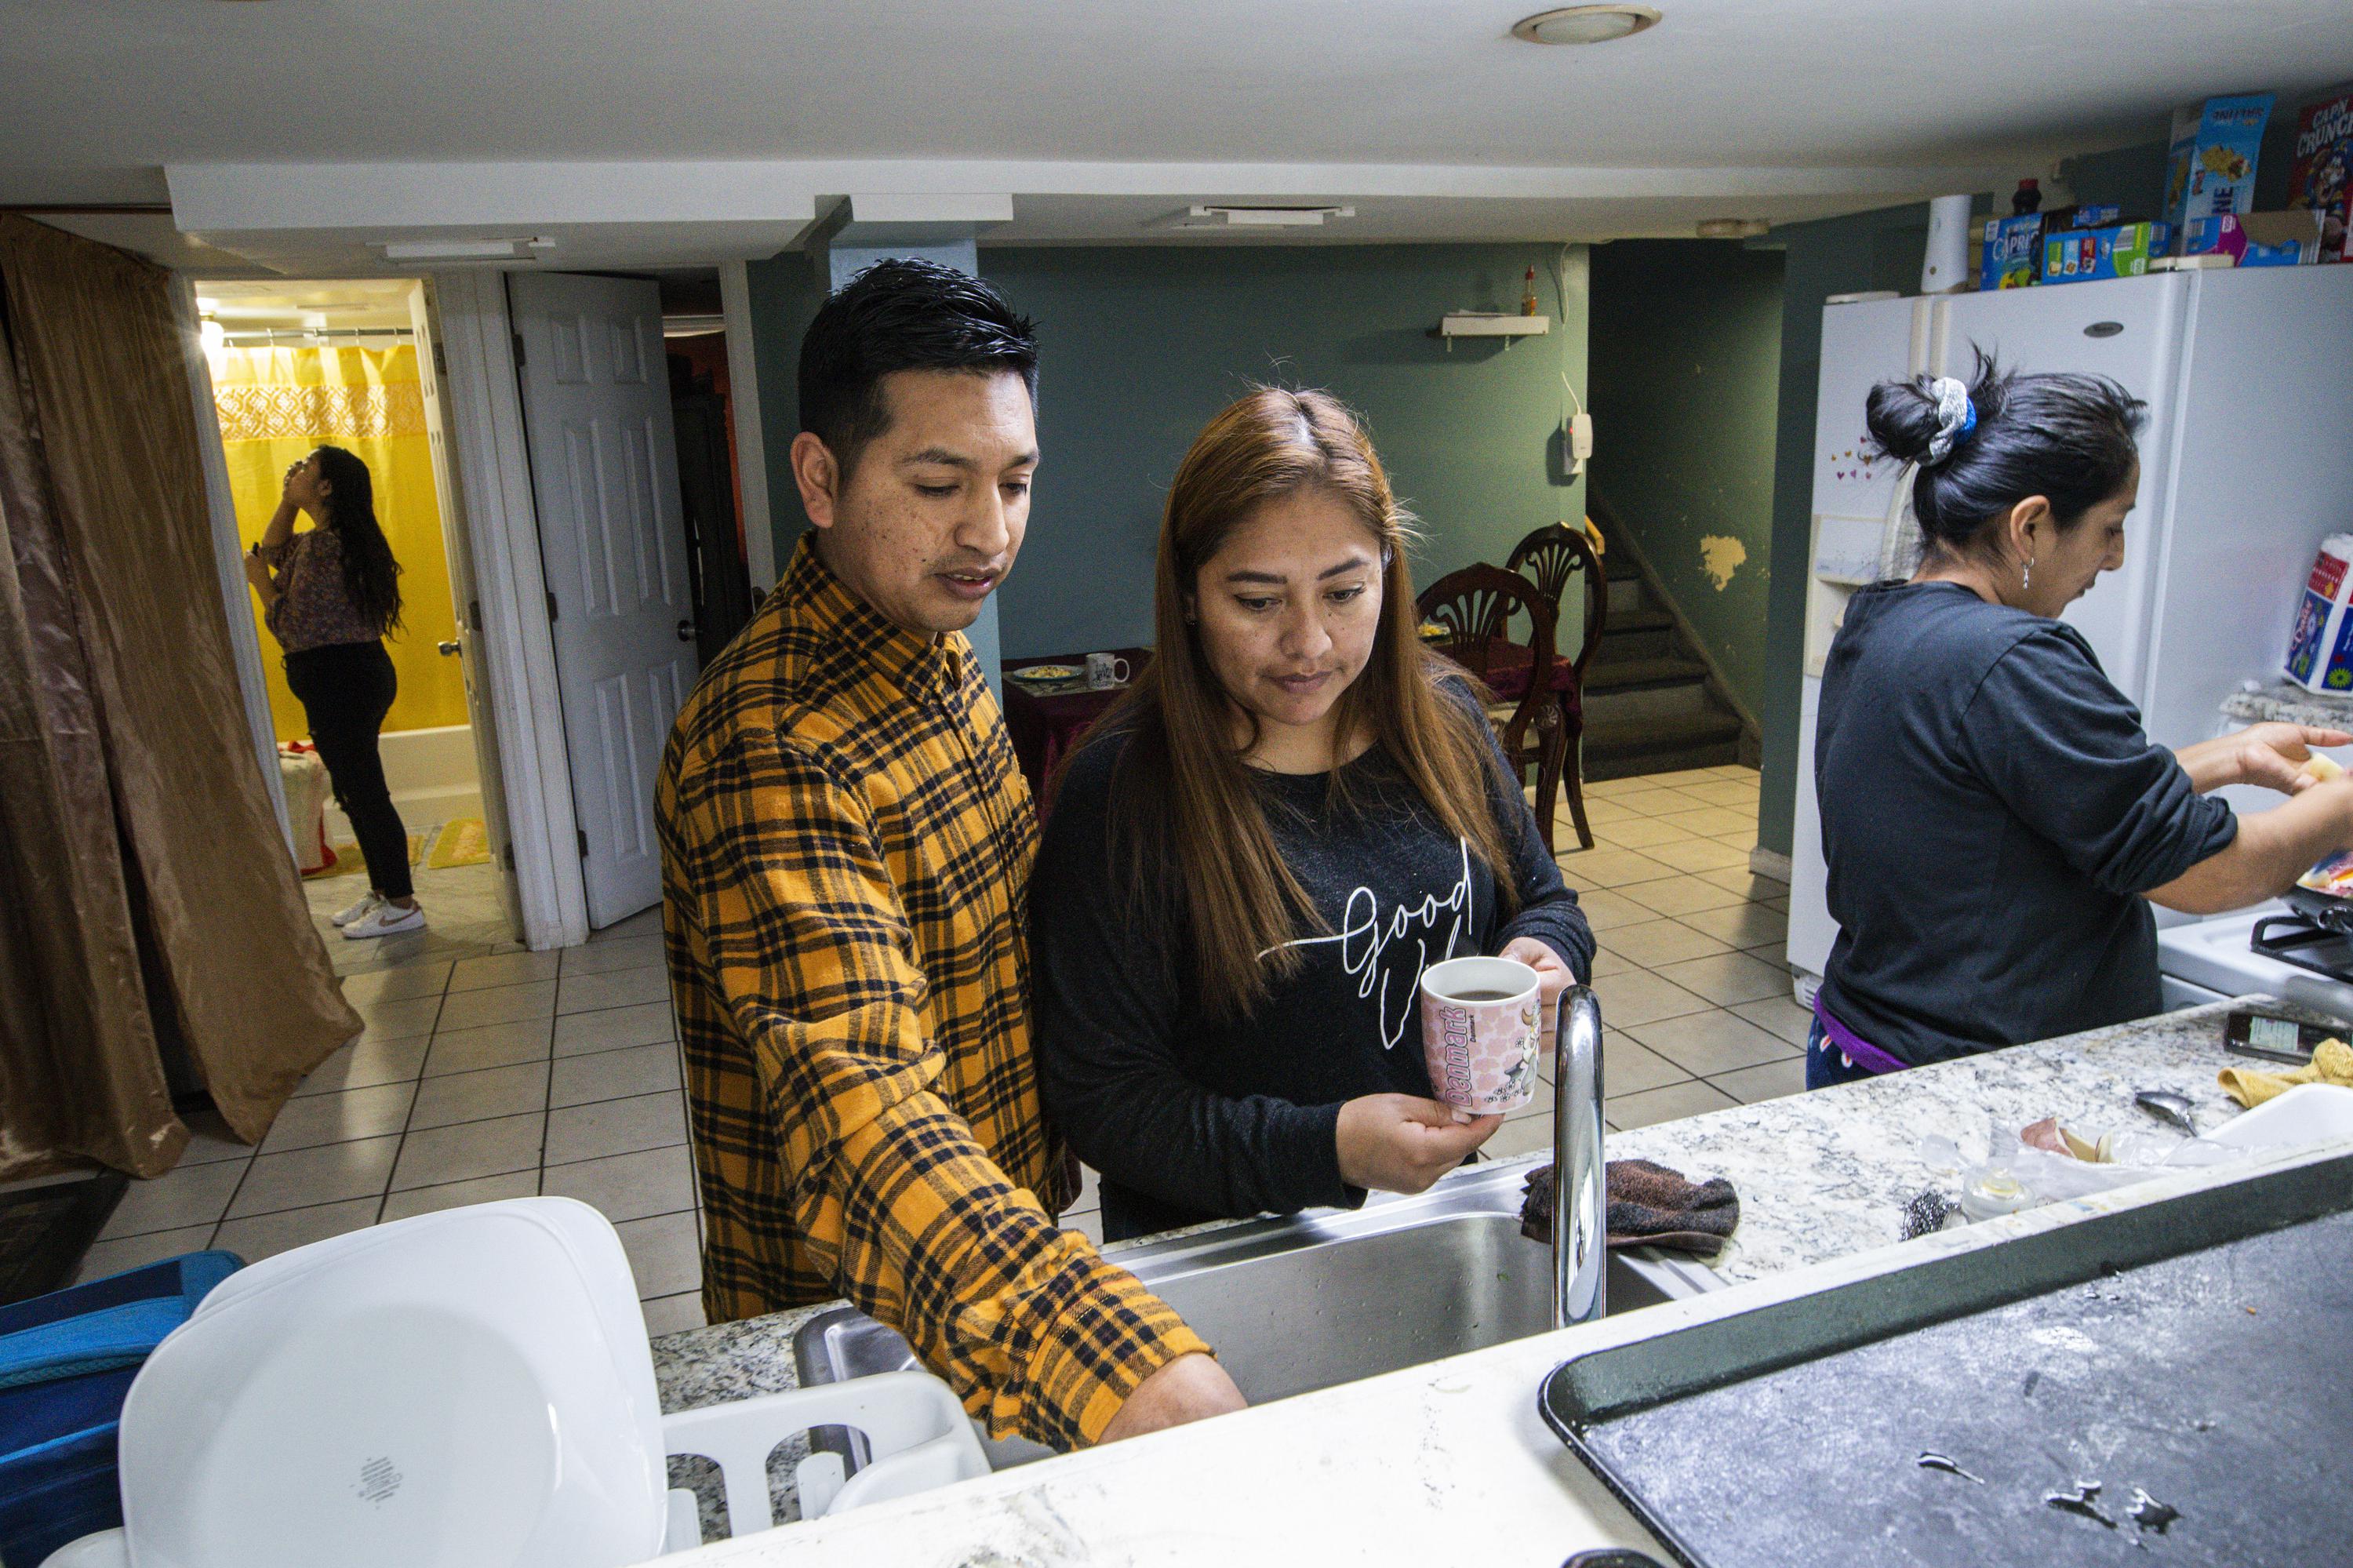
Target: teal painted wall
{"points": [[1686, 356], [1140, 347]]}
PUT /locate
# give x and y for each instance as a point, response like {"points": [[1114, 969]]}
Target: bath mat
{"points": [[464, 842], [344, 859]]}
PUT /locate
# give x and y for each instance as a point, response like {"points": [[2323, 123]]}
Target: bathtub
{"points": [[433, 775]]}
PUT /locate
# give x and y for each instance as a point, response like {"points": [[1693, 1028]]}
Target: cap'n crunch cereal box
{"points": [[2321, 178]]}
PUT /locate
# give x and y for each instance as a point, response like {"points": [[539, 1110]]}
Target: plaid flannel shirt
{"points": [[846, 849]]}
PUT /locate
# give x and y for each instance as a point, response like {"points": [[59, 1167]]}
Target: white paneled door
{"points": [[604, 475]]}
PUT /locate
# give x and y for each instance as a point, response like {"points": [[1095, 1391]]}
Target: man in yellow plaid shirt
{"points": [[846, 851]]}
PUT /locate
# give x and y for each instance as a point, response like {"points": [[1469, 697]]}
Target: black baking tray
{"points": [[2199, 1348]]}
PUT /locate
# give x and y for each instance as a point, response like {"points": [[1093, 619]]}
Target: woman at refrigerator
{"points": [[1995, 820]]}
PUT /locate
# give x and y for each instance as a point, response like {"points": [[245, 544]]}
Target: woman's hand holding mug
{"points": [[1553, 977], [1402, 1143]]}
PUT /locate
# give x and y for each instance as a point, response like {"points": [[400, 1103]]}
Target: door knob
{"points": [[448, 650], [686, 632]]}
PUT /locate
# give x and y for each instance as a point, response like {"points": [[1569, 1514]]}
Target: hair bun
{"points": [[1903, 418]]}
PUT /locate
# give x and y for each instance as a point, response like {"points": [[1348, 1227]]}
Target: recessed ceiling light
{"points": [[1584, 23]]}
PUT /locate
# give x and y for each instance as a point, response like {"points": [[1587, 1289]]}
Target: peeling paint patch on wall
{"points": [[1720, 556]]}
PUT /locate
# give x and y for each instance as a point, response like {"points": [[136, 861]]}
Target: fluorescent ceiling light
{"points": [[1200, 216], [1732, 227], [693, 326], [459, 250], [1584, 23]]}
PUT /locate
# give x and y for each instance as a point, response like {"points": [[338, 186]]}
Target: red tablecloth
{"points": [[1044, 726], [1503, 666]]}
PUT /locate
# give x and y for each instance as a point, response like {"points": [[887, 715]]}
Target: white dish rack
{"points": [[470, 1386]]}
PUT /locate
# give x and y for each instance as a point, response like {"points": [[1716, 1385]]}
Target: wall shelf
{"points": [[1488, 323]]}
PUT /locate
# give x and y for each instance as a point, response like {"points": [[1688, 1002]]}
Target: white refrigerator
{"points": [[2246, 465]]}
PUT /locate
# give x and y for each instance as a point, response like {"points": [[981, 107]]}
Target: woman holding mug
{"points": [[330, 595], [1995, 819], [1296, 811]]}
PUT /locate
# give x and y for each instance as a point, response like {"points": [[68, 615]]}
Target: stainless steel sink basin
{"points": [[1325, 1298]]}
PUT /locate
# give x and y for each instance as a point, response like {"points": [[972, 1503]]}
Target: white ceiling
{"points": [[1096, 117]]}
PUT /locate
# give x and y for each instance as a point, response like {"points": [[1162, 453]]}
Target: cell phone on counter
{"points": [[2248, 1031]]}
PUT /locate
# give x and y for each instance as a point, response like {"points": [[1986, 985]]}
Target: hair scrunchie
{"points": [[1956, 418]]}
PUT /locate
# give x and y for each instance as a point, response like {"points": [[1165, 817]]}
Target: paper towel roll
{"points": [[1946, 265]]}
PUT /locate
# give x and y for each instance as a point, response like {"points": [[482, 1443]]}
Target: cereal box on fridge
{"points": [[2212, 169], [2321, 178], [2320, 650]]}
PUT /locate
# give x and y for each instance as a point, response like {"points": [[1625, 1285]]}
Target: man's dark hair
{"points": [[901, 314]]}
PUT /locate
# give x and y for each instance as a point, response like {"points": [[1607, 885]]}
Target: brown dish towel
{"points": [[1650, 1206]]}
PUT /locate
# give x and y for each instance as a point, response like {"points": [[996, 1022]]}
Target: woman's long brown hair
{"points": [[1184, 809]]}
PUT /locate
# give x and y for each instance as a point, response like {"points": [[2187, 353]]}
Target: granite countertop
{"points": [[1825, 1174], [2285, 702], [1821, 1175]]}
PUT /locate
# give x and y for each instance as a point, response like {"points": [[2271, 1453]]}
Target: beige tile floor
{"points": [[487, 1072]]}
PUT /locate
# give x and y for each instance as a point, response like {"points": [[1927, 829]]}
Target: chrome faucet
{"points": [[1581, 1181]]}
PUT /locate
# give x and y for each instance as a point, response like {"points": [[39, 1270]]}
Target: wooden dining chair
{"points": [[1553, 558], [1476, 606]]}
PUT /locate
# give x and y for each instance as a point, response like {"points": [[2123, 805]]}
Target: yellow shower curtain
{"points": [[278, 403]]}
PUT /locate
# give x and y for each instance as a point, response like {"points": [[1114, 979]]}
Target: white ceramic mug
{"points": [[1479, 1027], [1106, 670]]}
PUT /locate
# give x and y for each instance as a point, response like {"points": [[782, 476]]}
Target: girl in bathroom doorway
{"points": [[330, 595]]}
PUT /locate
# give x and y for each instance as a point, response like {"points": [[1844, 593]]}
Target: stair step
{"points": [[1633, 674], [1683, 759], [1611, 736], [1620, 747], [1641, 633], [1627, 594]]}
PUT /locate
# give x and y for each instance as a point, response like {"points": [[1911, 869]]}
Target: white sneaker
{"points": [[386, 919], [368, 902]]}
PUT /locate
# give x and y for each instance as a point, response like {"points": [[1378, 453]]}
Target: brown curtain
{"points": [[130, 796]]}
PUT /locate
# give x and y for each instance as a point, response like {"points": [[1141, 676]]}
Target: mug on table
{"points": [[1106, 670]]}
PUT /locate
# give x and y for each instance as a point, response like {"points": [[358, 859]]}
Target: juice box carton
{"points": [[2321, 177], [2320, 649], [2011, 256], [2083, 255], [2213, 168]]}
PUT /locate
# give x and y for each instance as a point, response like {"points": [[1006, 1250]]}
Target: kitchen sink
{"points": [[1328, 1296]]}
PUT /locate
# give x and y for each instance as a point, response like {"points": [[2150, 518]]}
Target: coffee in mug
{"points": [[1480, 1023]]}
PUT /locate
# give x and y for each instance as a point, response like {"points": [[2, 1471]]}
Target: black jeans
{"points": [[345, 689]]}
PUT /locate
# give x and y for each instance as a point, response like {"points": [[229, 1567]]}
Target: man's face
{"points": [[927, 524]]}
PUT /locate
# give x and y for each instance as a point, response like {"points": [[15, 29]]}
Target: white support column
{"points": [[743, 406], [494, 473], [237, 596]]}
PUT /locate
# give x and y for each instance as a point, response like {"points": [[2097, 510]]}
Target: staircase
{"points": [[1652, 705]]}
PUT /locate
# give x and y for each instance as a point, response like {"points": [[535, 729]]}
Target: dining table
{"points": [[1045, 719]]}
